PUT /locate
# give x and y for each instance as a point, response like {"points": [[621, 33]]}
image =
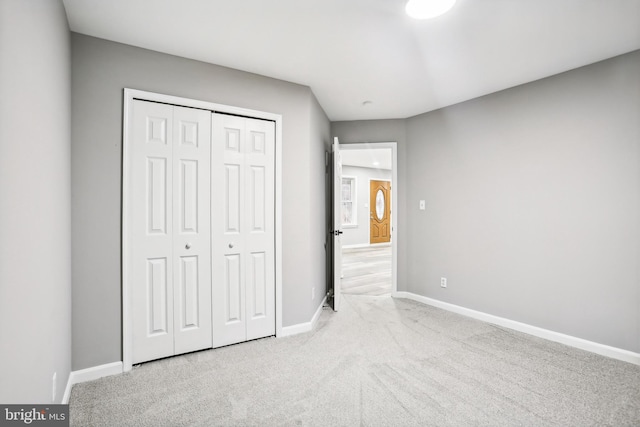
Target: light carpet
{"points": [[380, 361]]}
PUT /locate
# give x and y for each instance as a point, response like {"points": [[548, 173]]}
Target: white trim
{"points": [[278, 218], [129, 96], [301, 328], [126, 218], [90, 374], [395, 213], [593, 347]]}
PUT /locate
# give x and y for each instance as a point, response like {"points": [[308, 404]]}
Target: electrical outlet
{"points": [[53, 393], [423, 205], [443, 282]]}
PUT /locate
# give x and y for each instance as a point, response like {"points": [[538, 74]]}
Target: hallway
{"points": [[366, 271]]}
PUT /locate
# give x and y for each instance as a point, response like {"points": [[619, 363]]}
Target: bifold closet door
{"points": [[243, 223], [171, 246]]}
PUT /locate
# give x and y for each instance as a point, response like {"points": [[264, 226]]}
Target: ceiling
{"points": [[352, 51], [374, 158]]}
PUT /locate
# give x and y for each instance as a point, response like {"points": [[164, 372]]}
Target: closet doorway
{"points": [[201, 226]]}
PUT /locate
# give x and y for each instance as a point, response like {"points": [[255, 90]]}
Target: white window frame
{"points": [[354, 201]]}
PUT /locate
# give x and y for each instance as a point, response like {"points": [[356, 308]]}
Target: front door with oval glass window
{"points": [[380, 212]]}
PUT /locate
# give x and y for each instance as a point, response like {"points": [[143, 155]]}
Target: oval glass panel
{"points": [[380, 205]]}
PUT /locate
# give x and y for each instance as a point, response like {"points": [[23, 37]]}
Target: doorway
{"points": [[369, 221]]}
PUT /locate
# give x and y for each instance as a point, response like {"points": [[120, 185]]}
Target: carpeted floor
{"points": [[380, 361]]}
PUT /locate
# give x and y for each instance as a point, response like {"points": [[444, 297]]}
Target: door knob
{"points": [[187, 246]]}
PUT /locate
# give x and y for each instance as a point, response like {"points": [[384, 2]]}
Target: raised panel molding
{"points": [[257, 142], [189, 133], [233, 288], [157, 195], [189, 285], [232, 198], [189, 196], [157, 289], [256, 279], [156, 130], [257, 208], [232, 139]]}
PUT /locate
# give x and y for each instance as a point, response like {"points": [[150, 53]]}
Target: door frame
{"points": [[391, 186], [393, 146], [133, 94]]}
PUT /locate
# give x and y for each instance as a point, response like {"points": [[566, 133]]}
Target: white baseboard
{"points": [[601, 349], [115, 368], [90, 374], [301, 328], [316, 315]]}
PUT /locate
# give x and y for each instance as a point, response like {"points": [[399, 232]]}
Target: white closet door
{"points": [[152, 245], [242, 183], [192, 233], [171, 307], [259, 225]]}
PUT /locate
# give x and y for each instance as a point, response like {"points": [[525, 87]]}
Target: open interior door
{"points": [[336, 261]]}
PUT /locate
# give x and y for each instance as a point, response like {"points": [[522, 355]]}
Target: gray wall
{"points": [[393, 130], [532, 201], [35, 246], [101, 69], [360, 234]]}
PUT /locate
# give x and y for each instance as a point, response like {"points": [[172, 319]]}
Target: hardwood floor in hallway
{"points": [[366, 271]]}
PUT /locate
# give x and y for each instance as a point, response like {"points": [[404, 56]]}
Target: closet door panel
{"points": [[191, 238], [152, 262], [228, 204], [243, 232], [260, 227], [171, 230]]}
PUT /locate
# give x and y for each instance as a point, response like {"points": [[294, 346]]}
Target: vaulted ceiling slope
{"points": [[353, 51]]}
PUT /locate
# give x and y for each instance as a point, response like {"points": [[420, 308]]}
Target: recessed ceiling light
{"points": [[376, 163], [425, 9]]}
